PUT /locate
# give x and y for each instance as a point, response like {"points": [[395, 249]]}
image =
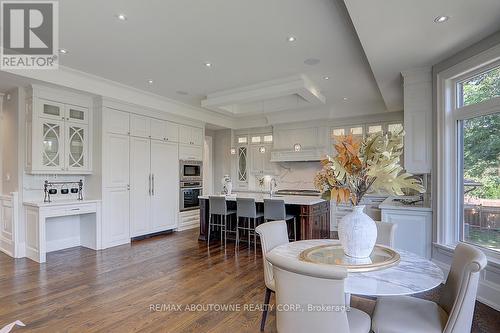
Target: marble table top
{"points": [[413, 274], [259, 197]]}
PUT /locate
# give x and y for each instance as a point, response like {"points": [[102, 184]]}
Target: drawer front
{"points": [[74, 209]]}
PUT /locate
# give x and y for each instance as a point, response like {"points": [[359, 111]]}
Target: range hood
{"points": [[304, 155]]}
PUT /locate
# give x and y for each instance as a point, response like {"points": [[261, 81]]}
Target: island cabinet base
{"points": [[313, 221]]}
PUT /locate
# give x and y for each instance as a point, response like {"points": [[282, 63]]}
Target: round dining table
{"points": [[411, 275]]}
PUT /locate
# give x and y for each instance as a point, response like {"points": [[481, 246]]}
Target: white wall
{"points": [[10, 142]]}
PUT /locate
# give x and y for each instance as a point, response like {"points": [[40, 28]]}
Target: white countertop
{"points": [[259, 197], [59, 203], [389, 203]]}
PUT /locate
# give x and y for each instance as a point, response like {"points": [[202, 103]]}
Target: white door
{"points": [[140, 183], [165, 186], [116, 151], [115, 220]]}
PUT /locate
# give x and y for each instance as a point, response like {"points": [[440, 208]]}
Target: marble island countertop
{"points": [[390, 203], [289, 199]]}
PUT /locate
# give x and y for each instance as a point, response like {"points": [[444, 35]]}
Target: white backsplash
{"points": [[33, 186], [288, 175]]}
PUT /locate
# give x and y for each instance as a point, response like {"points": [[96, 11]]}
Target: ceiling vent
{"points": [[270, 96]]}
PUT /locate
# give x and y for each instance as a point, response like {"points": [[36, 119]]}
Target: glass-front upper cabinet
{"points": [[77, 114], [58, 132], [52, 144], [50, 109], [77, 149]]}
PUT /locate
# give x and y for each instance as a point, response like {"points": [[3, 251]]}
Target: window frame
{"points": [[448, 189]]}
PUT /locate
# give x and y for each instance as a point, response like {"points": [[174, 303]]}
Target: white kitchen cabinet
{"points": [[116, 190], [172, 131], [418, 120], [190, 135], [117, 122], [260, 162], [158, 129], [116, 218], [140, 185], [154, 186], [116, 160], [190, 152], [413, 230], [58, 135], [165, 186], [140, 126]]}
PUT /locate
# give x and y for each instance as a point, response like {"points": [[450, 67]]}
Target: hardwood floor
{"points": [[79, 290]]}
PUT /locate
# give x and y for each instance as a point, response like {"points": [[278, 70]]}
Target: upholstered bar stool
{"points": [[274, 210], [218, 208], [246, 208]]}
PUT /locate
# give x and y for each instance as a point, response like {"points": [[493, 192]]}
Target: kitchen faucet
{"points": [[272, 186]]}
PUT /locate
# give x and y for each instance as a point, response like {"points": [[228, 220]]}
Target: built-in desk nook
{"points": [[52, 226]]}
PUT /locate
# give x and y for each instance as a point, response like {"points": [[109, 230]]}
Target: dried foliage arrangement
{"points": [[372, 163]]}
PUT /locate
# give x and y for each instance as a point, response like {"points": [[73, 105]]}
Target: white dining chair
{"points": [[271, 234], [304, 285], [454, 312], [385, 233]]}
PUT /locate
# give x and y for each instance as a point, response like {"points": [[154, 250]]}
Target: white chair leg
{"points": [[225, 230], [294, 229], [237, 232]]}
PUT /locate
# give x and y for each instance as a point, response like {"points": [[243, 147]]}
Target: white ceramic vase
{"points": [[357, 233]]}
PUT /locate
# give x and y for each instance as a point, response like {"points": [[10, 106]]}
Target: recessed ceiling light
{"points": [[291, 39], [345, 98], [208, 64], [121, 17], [182, 92], [326, 78], [441, 19], [150, 81], [63, 51]]}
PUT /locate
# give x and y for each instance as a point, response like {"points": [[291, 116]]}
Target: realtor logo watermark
{"points": [[30, 35]]}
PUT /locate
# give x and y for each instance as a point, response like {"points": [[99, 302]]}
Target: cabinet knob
{"points": [[128, 133]]}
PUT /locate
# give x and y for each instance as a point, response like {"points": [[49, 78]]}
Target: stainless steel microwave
{"points": [[191, 170]]}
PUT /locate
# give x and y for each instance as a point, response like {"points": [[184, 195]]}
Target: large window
{"points": [[478, 158]]}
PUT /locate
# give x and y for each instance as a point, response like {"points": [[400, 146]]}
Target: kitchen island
{"points": [[312, 213]]}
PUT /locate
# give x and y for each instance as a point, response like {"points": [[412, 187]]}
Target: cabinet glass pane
{"points": [[338, 132], [76, 114], [256, 139], [395, 128], [51, 110], [51, 136], [356, 130], [242, 139], [76, 141], [242, 164], [268, 138], [374, 129]]}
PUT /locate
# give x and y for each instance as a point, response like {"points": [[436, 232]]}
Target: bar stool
{"points": [[245, 207], [218, 207], [274, 210]]}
